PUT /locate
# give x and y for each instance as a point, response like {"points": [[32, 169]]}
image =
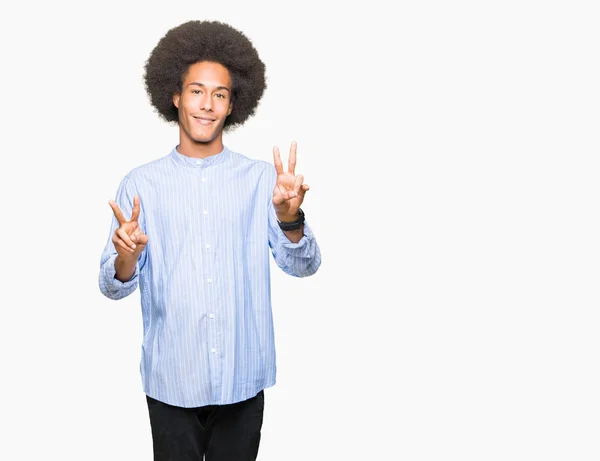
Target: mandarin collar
{"points": [[192, 162]]}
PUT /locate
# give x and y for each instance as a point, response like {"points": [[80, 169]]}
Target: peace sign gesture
{"points": [[289, 189], [129, 240]]}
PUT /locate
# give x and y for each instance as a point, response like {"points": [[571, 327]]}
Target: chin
{"points": [[203, 137]]}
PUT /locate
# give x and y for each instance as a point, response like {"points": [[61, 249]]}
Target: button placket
{"points": [[208, 270]]}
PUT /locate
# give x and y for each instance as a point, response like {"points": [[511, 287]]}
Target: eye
{"points": [[195, 91], [220, 95]]}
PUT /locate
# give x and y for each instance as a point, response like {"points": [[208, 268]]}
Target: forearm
{"points": [[296, 251], [293, 236], [110, 285], [300, 255], [125, 268], [118, 276], [296, 235]]}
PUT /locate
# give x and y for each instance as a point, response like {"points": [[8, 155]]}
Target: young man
{"points": [[195, 229]]}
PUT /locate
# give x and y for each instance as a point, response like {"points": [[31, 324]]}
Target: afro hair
{"points": [[197, 41]]}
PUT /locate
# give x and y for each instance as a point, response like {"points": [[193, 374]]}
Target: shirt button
{"points": [[203, 179], [205, 212], [213, 350], [207, 246], [209, 280], [198, 162], [212, 316]]}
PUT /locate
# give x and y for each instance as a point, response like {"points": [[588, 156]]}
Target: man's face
{"points": [[204, 102]]}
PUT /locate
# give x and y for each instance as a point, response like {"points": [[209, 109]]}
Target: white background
{"points": [[452, 153]]}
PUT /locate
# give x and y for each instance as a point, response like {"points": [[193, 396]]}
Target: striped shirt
{"points": [[204, 275]]}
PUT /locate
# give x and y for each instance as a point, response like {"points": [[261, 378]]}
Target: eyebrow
{"points": [[204, 86]]}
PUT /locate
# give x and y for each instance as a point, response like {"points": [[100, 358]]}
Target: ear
{"points": [[176, 97], [230, 108]]}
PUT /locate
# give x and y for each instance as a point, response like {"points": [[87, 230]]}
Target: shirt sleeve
{"points": [[109, 285], [298, 259]]}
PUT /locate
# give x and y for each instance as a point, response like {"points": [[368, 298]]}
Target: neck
{"points": [[191, 148]]}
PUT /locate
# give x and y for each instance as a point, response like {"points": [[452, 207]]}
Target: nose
{"points": [[206, 102]]}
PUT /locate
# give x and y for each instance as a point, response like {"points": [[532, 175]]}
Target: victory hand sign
{"points": [[289, 190], [129, 240]]}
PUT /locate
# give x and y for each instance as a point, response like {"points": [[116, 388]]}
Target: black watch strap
{"points": [[294, 225]]}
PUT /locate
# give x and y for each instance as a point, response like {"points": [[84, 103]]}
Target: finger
{"points": [[117, 212], [303, 190], [139, 240], [123, 235], [142, 239], [117, 242], [298, 183], [282, 198], [279, 199], [136, 209], [292, 159], [277, 160], [138, 237]]}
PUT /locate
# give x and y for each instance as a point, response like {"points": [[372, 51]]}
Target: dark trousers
{"points": [[219, 432]]}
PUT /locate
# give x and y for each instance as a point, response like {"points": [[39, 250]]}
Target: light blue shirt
{"points": [[204, 275]]}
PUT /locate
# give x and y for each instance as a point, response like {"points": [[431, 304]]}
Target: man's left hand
{"points": [[289, 190]]}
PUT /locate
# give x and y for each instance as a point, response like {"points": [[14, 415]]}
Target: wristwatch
{"points": [[294, 225]]}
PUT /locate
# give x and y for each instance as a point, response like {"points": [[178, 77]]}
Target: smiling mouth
{"points": [[204, 121]]}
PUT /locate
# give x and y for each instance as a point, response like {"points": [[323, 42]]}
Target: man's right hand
{"points": [[129, 240]]}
